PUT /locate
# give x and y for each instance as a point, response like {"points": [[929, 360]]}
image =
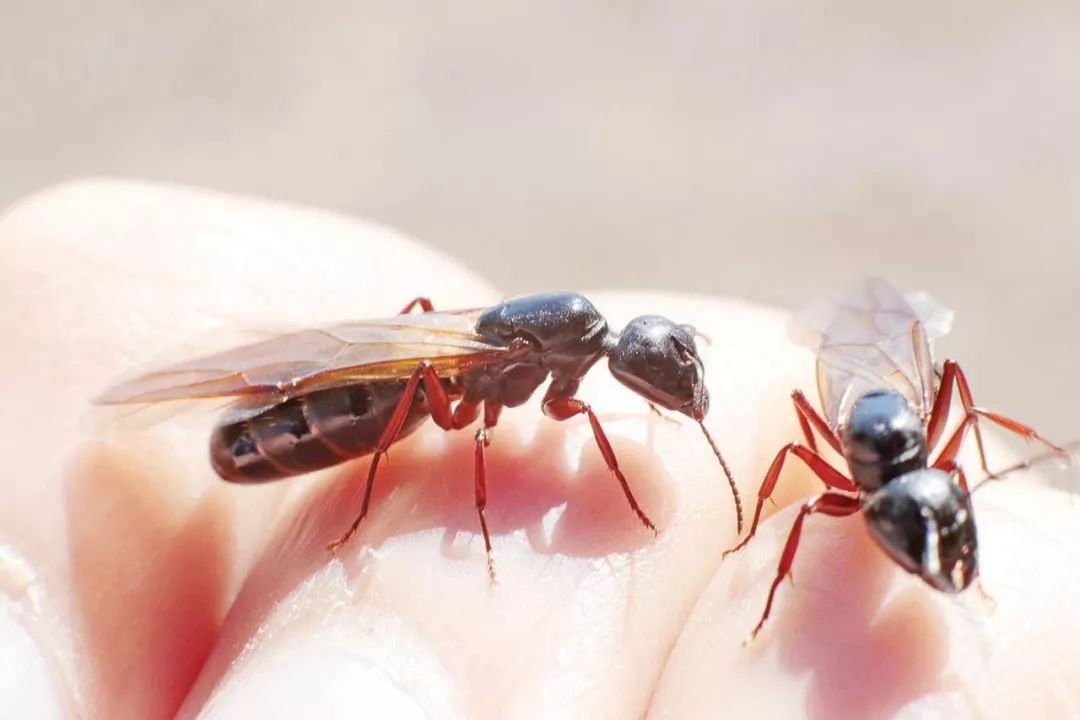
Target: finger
{"points": [[854, 636], [120, 557], [588, 601]]}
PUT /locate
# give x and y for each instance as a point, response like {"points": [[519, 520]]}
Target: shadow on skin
{"points": [[869, 653], [135, 555], [419, 491]]}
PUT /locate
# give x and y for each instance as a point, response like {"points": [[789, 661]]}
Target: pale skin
{"points": [[134, 583]]}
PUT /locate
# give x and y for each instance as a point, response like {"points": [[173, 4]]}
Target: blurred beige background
{"points": [[772, 150]]}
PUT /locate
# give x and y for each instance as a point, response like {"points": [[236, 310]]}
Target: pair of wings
{"points": [[265, 373], [873, 337]]}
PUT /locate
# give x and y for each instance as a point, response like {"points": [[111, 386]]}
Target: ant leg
{"points": [[439, 404], [952, 373], [483, 439], [690, 329], [423, 303], [829, 475], [961, 478], [1015, 427], [808, 417], [464, 414], [564, 408], [987, 597], [950, 467], [656, 411], [827, 503], [947, 456], [939, 413]]}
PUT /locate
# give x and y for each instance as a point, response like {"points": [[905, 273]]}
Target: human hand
{"points": [[133, 582]]}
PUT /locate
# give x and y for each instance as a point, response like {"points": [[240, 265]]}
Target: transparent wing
{"points": [[873, 337], [268, 371], [192, 414]]}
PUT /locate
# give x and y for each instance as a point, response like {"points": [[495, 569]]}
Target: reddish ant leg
{"points": [[464, 414], [829, 503], [439, 404], [1017, 428], [939, 413], [948, 453], [808, 434], [808, 417], [952, 374], [950, 467], [423, 303], [567, 407], [483, 439], [818, 465], [951, 449]]}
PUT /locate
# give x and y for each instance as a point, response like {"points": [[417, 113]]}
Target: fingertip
{"points": [[30, 685], [319, 654], [98, 277], [836, 644], [854, 635], [559, 521], [751, 367]]}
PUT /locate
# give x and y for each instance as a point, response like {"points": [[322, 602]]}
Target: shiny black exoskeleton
{"points": [[885, 405], [555, 336], [563, 336], [653, 356], [920, 516]]}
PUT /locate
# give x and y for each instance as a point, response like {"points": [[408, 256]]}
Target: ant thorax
{"points": [[882, 438]]}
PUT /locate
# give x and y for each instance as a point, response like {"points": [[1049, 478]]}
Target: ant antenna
{"points": [[727, 472]]}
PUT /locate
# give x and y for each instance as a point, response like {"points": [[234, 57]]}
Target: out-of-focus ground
{"points": [[772, 150]]}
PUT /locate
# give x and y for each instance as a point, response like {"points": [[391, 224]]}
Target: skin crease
{"points": [[149, 588]]}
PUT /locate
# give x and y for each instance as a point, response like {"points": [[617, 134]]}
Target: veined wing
{"points": [[873, 337], [306, 360]]}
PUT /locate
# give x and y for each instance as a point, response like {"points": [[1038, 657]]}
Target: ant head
{"points": [[882, 438], [658, 360], [924, 521]]}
